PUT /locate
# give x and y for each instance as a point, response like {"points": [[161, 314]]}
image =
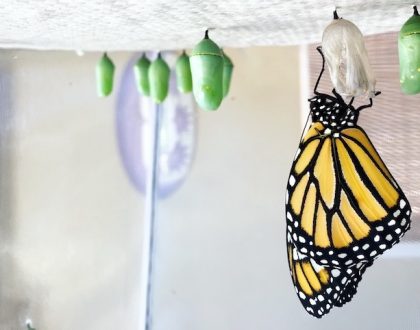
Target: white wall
{"points": [[220, 261], [220, 258], [70, 220]]}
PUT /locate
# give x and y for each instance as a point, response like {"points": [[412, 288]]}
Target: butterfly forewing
{"points": [[343, 206]]}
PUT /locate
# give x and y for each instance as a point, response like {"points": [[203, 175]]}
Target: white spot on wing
{"points": [[317, 267], [335, 272], [292, 180]]}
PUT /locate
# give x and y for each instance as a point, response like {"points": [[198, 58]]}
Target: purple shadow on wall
{"points": [[177, 133]]}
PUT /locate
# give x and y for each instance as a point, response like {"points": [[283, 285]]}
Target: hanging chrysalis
{"points": [[104, 75], [183, 73], [347, 59], [409, 53], [207, 73], [227, 73], [141, 72], [159, 79], [29, 325]]}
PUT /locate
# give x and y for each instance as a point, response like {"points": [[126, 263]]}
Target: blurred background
{"points": [[74, 200]]}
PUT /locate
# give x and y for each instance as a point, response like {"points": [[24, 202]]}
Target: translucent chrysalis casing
{"points": [[347, 59], [409, 54], [207, 74]]}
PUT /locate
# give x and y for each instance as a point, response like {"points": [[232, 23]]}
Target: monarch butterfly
{"points": [[342, 204], [320, 288]]}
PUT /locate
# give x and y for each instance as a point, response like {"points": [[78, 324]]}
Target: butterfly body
{"points": [[332, 112]]}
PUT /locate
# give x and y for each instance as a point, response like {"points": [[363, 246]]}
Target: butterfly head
{"points": [[332, 112]]}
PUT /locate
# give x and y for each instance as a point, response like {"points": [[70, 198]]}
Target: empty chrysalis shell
{"points": [[159, 79], [183, 73], [409, 54], [347, 59], [227, 73], [141, 72], [207, 74], [104, 75]]}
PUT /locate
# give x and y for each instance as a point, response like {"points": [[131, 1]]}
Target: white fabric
{"points": [[171, 24]]}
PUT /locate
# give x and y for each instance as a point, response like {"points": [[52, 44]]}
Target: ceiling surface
{"points": [[169, 24]]}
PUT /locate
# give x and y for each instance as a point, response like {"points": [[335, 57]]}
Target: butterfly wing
{"points": [[343, 206], [351, 288], [320, 288]]}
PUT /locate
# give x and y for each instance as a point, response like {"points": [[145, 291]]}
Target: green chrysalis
{"points": [[29, 326], [141, 72], [183, 73], [159, 79], [409, 54], [227, 73], [207, 74], [104, 75]]}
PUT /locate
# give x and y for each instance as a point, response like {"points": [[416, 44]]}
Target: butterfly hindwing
{"points": [[320, 288], [343, 206]]}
